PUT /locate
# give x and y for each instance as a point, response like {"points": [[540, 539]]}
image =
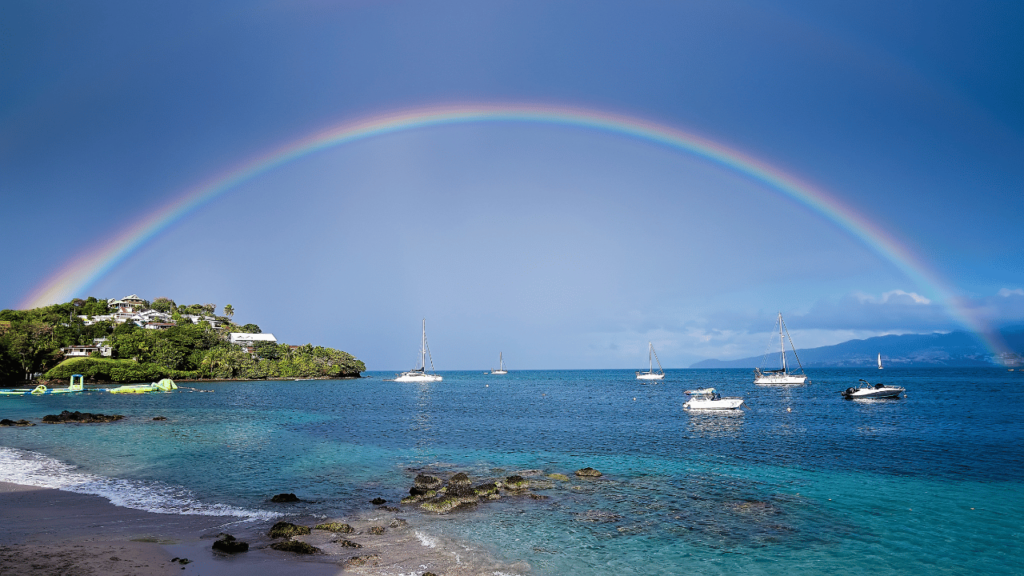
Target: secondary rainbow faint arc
{"points": [[82, 272]]}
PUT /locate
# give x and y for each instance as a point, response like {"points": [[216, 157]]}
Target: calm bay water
{"points": [[802, 482]]}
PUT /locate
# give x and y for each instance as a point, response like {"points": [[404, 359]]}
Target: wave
{"points": [[35, 469]]}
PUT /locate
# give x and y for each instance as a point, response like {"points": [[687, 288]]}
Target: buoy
{"points": [[487, 385], [634, 398], [789, 409], [972, 508]]}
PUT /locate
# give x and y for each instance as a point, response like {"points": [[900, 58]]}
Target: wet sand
{"points": [[45, 531]]}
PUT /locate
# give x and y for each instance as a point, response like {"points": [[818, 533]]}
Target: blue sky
{"points": [[559, 246]]}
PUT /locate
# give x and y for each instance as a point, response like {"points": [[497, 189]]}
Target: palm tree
{"points": [[229, 310]]}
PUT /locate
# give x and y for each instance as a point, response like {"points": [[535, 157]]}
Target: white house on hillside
{"points": [[243, 339]]}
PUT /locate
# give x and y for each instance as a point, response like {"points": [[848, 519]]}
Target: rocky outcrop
{"points": [[159, 417], [295, 546], [287, 530], [441, 504], [460, 479], [77, 417], [6, 422], [376, 530], [337, 527], [378, 501], [588, 473], [516, 482], [559, 477], [427, 482], [285, 498], [229, 545], [371, 559], [347, 543]]}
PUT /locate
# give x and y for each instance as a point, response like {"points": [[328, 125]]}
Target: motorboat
{"points": [[709, 399], [420, 373], [651, 374], [501, 365], [869, 391], [781, 376]]}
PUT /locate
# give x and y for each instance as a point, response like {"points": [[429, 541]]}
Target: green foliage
{"points": [[30, 342], [165, 305]]}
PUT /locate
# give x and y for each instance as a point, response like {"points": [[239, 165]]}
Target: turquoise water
{"points": [[802, 482]]}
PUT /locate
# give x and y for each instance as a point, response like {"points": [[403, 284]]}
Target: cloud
{"points": [[1006, 292]]}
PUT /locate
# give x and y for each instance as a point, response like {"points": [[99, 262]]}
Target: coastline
{"points": [[50, 531]]}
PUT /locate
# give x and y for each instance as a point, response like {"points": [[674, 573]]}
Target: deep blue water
{"points": [[801, 482]]}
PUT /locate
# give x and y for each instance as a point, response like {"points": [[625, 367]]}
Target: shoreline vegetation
{"points": [[134, 340]]}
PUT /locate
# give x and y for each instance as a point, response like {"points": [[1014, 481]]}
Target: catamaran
{"points": [[651, 374], [501, 365], [420, 374], [781, 376]]}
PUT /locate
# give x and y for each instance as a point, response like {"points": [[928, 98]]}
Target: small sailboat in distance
{"points": [[501, 365], [879, 361], [781, 376], [420, 374], [651, 374]]}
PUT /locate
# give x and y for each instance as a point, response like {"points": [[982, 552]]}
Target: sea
{"points": [[800, 482]]}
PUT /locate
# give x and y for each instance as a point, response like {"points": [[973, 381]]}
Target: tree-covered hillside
{"points": [[195, 346]]}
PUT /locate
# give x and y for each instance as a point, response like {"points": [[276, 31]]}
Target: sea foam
{"points": [[34, 469]]}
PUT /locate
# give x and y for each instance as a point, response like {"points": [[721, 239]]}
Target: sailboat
{"points": [[781, 376], [651, 374], [879, 361], [501, 365], [420, 374]]}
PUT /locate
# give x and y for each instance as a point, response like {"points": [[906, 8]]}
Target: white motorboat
{"points": [[867, 391], [420, 374], [879, 361], [709, 399], [501, 365], [781, 376], [651, 374]]}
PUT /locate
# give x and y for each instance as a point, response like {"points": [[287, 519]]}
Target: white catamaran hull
{"points": [[649, 376], [780, 379], [499, 371], [707, 404], [417, 377]]}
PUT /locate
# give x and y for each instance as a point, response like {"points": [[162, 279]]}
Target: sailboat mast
{"points": [[423, 347], [650, 359], [782, 343]]}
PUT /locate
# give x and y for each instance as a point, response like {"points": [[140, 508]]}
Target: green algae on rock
{"points": [[287, 530]]}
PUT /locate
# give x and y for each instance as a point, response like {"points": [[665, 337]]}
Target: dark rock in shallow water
{"points": [[427, 482], [418, 491], [441, 504], [335, 527], [486, 489], [465, 494], [363, 560], [588, 472], [160, 418], [528, 473], [460, 479], [378, 501], [288, 497], [390, 508], [538, 496], [376, 530], [6, 422], [77, 417], [287, 530], [515, 482], [229, 545], [347, 543], [295, 546], [399, 523]]}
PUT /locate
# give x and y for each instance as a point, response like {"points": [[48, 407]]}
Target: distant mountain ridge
{"points": [[907, 350]]}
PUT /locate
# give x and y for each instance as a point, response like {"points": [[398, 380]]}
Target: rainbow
{"points": [[87, 268]]}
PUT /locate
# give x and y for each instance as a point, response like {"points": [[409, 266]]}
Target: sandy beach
{"points": [[53, 532]]}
